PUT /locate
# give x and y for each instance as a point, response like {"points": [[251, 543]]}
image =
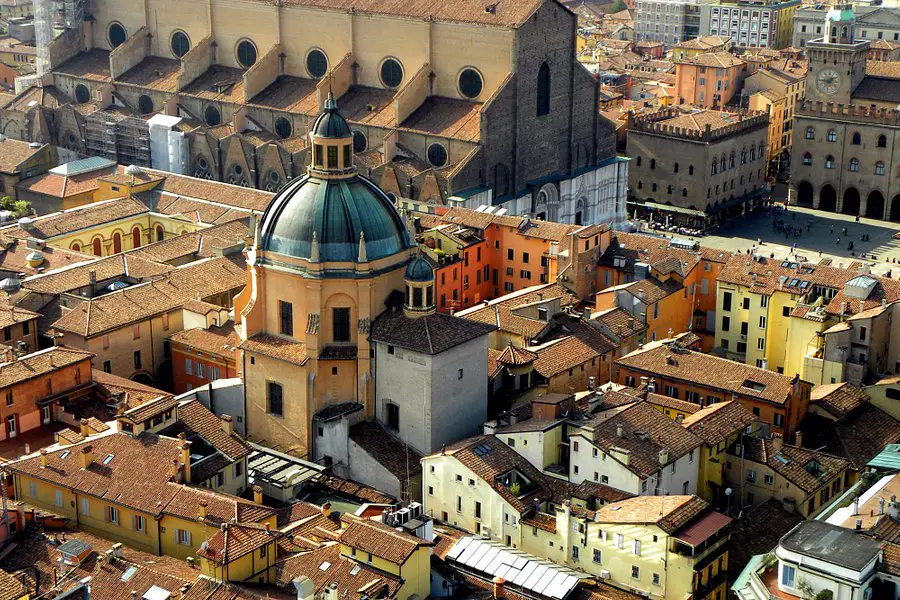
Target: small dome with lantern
{"points": [[419, 270]]}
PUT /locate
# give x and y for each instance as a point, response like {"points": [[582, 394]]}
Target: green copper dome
{"points": [[330, 123], [419, 270], [337, 211]]}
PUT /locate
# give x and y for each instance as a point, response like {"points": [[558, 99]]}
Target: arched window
{"points": [[879, 168], [832, 135], [722, 163], [136, 237], [117, 242], [807, 159], [654, 186], [829, 162], [684, 192], [715, 167], [810, 133], [676, 167], [857, 139], [752, 153], [97, 248], [743, 156], [638, 160], [669, 189], [76, 247], [690, 169], [652, 163], [640, 184], [761, 151], [882, 141], [543, 90], [854, 165], [160, 233], [731, 160]]}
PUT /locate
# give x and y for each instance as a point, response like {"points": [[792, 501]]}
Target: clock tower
{"points": [[837, 61]]}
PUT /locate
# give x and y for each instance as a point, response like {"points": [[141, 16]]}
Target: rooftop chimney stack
{"points": [[620, 430], [257, 494], [186, 460], [87, 456], [203, 505], [227, 424], [43, 458], [798, 439]]}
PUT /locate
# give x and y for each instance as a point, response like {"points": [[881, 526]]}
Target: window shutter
{"points": [[134, 522], [106, 516], [188, 538], [176, 537]]}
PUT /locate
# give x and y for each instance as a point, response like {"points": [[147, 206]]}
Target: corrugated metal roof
{"points": [[888, 459], [84, 165]]}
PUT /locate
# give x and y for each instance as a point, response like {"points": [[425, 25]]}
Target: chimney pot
{"points": [[203, 505], [326, 509], [186, 460], [257, 494], [43, 458], [227, 424], [87, 456]]}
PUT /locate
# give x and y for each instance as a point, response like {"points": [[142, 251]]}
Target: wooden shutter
{"points": [[106, 515], [177, 539]]}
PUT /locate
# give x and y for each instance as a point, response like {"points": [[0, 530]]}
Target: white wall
{"points": [[367, 470], [222, 397]]}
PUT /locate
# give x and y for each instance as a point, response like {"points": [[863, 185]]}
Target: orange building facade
{"points": [[201, 356], [709, 80]]}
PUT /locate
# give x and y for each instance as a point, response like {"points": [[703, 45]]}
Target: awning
{"points": [[703, 528], [667, 208]]}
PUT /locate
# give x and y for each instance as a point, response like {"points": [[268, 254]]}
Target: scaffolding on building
{"points": [[117, 136]]}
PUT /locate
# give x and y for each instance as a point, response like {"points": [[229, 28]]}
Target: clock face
{"points": [[828, 81]]}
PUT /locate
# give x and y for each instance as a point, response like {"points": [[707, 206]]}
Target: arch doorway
{"points": [[828, 199], [851, 201], [142, 378], [875, 205], [805, 194], [895, 209]]}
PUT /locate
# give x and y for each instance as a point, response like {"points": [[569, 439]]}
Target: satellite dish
{"points": [[728, 492], [205, 545]]}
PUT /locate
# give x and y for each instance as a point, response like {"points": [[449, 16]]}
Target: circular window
{"points": [[316, 63], [392, 197], [283, 127], [360, 143], [437, 155], [82, 94], [470, 83], [391, 73], [117, 35], [246, 53], [212, 115], [71, 138], [274, 177], [145, 104], [180, 44], [237, 170], [202, 162]]}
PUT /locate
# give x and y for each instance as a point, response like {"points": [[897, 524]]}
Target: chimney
{"points": [[880, 506], [777, 443], [326, 509], [85, 430], [798, 439], [203, 505], [257, 494], [306, 589], [679, 418], [858, 524], [664, 456], [186, 460], [893, 509], [620, 430], [87, 456], [43, 458], [499, 582], [227, 424], [93, 279]]}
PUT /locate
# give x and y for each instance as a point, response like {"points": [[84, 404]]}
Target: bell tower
{"points": [[837, 61]]}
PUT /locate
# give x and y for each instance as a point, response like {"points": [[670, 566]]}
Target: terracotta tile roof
{"points": [[713, 59], [345, 487], [584, 329], [40, 363], [765, 276], [192, 418], [651, 290], [670, 361], [13, 253], [704, 42], [489, 458], [669, 513], [684, 406], [805, 468], [881, 68], [14, 152], [561, 355], [212, 191], [857, 437], [505, 13], [503, 313], [392, 454], [199, 211], [430, 334], [638, 247], [619, 322], [135, 476], [349, 576], [74, 219], [697, 121], [65, 186], [92, 64], [715, 423], [110, 582], [153, 72], [10, 314], [591, 492], [839, 399], [758, 531], [276, 347], [235, 540], [645, 432], [220, 508], [12, 587], [380, 540], [134, 304], [138, 400], [78, 275], [547, 230], [540, 520], [447, 117], [218, 340], [514, 356]]}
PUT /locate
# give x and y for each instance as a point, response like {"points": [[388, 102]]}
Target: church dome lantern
{"points": [[419, 280], [333, 214], [840, 24]]}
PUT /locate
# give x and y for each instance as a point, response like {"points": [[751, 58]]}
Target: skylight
{"points": [[753, 385], [65, 455], [108, 459], [324, 566], [481, 449], [129, 573]]}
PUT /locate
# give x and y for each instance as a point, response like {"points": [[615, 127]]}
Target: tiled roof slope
{"points": [[670, 513], [392, 454], [430, 334], [667, 360], [502, 311], [40, 363], [839, 399], [380, 540], [718, 421], [122, 308], [791, 462]]}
